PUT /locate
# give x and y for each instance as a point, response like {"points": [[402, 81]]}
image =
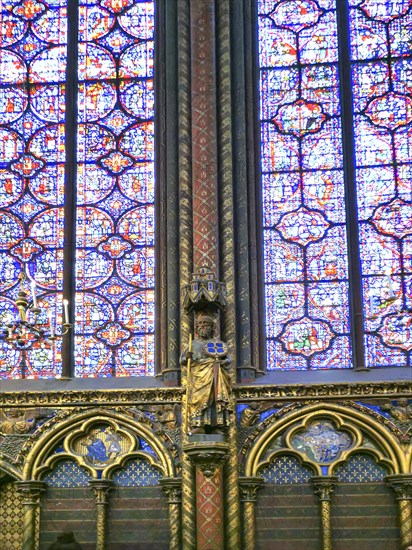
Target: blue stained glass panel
{"points": [[115, 180], [32, 155], [381, 70], [306, 273]]}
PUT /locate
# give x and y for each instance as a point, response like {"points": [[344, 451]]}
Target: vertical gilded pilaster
{"points": [[402, 485], [173, 489], [30, 492], [323, 486], [208, 453], [101, 489], [185, 160], [248, 494], [204, 143]]}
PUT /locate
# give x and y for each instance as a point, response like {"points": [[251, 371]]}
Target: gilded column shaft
{"points": [[323, 486], [30, 491], [173, 489], [402, 485], [185, 162], [248, 493], [189, 505], [101, 490]]}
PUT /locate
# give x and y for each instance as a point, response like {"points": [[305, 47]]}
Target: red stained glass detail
{"points": [[303, 226], [29, 9], [115, 247], [26, 249], [394, 218], [307, 337], [300, 118], [113, 334], [397, 331], [391, 110], [116, 6], [27, 165], [385, 11], [116, 162], [296, 14]]}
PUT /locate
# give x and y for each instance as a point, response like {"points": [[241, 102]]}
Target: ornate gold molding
{"points": [[92, 398], [324, 391]]}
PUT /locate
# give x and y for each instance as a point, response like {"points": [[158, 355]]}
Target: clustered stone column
{"points": [[248, 495], [402, 485], [323, 486], [101, 489], [30, 492]]}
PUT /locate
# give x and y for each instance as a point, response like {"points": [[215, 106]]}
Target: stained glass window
{"points": [[309, 179], [112, 189]]}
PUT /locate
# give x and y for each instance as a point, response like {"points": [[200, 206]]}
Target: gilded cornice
{"points": [[324, 391], [92, 398]]}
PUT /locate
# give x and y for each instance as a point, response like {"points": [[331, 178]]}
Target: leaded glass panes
{"points": [[32, 156], [306, 273], [114, 184], [381, 53], [302, 176]]}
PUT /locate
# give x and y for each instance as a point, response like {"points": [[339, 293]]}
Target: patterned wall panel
{"points": [[138, 509], [286, 511], [67, 505], [11, 517]]}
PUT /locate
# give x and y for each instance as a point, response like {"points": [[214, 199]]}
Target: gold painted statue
{"points": [[208, 383]]}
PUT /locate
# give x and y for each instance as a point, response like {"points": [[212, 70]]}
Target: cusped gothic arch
{"points": [[65, 432], [368, 435]]}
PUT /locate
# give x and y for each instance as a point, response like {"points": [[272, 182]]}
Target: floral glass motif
{"points": [[115, 190], [381, 54], [321, 442], [306, 273], [32, 157], [114, 215]]}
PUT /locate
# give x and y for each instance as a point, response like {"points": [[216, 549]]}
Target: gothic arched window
{"points": [[336, 113], [77, 181]]}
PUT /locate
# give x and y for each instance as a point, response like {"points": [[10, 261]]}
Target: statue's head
{"points": [[205, 326]]}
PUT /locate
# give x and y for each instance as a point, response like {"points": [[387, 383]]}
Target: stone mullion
{"points": [[323, 487], [167, 196], [173, 489], [185, 162], [30, 492], [248, 495], [101, 489], [402, 485], [204, 145]]}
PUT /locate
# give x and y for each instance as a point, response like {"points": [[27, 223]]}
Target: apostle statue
{"points": [[208, 379]]}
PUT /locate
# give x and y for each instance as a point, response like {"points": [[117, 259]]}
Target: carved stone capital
{"points": [[402, 485], [101, 489], [207, 455], [324, 486], [30, 491], [249, 487], [173, 488]]}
